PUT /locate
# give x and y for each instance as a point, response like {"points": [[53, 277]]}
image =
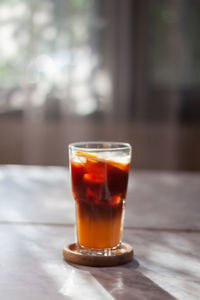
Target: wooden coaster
{"points": [[120, 256]]}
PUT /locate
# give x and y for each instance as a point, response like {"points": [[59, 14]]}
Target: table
{"points": [[162, 223]]}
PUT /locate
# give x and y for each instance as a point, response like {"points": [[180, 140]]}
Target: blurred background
{"points": [[77, 70]]}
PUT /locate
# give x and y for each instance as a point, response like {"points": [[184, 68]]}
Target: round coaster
{"points": [[120, 256]]}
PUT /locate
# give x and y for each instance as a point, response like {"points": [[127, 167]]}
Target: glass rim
{"points": [[119, 146]]}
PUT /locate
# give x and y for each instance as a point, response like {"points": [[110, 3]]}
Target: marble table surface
{"points": [[162, 223]]}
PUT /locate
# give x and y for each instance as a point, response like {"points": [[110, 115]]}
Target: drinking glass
{"points": [[99, 175]]}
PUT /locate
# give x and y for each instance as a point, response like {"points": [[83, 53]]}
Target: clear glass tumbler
{"points": [[99, 174]]}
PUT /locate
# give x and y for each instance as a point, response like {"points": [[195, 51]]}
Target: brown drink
{"points": [[99, 185]]}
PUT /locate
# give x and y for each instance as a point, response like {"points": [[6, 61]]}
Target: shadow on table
{"points": [[127, 282]]}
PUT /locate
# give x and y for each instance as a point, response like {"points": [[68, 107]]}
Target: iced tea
{"points": [[99, 185]]}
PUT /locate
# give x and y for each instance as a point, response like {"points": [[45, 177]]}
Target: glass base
{"points": [[100, 252], [95, 258]]}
